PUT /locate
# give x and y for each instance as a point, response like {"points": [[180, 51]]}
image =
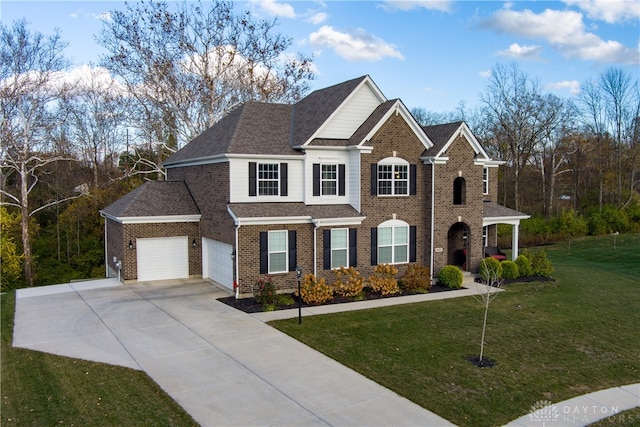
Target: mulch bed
{"points": [[249, 305]]}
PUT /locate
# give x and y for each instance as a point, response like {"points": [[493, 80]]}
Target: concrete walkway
{"points": [[225, 367]]}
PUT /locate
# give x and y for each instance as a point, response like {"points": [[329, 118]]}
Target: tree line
{"points": [[73, 141]]}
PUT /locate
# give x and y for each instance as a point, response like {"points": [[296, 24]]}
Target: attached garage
{"points": [[163, 258], [217, 263]]}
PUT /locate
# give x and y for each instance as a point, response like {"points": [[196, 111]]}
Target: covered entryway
{"points": [[217, 262], [163, 258], [458, 245]]}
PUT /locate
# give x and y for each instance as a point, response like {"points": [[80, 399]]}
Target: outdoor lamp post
{"points": [[298, 275]]}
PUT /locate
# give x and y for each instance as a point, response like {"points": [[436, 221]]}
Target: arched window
{"points": [[459, 191]]}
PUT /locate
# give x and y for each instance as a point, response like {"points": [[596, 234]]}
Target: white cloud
{"points": [[610, 11], [564, 31], [357, 45], [405, 5], [485, 74], [274, 8], [572, 85], [517, 51], [318, 18], [104, 16]]}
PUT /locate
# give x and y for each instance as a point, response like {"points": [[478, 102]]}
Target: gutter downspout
{"points": [[315, 248], [433, 215]]}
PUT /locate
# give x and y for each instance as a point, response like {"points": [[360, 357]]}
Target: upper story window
{"points": [[459, 191], [485, 180], [393, 176], [328, 179], [268, 179]]}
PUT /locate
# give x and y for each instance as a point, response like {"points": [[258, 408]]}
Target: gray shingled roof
{"points": [[494, 210], [277, 210], [154, 198], [252, 128], [439, 135]]}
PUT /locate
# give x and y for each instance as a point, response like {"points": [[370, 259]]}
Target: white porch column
{"points": [[514, 240]]}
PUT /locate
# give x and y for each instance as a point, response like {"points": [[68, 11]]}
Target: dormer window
{"points": [[393, 176], [459, 191], [267, 179]]}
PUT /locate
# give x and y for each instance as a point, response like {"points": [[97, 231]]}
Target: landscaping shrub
{"points": [[569, 224], [416, 279], [348, 282], [490, 269], [541, 265], [524, 266], [510, 270], [313, 291], [450, 276], [383, 280], [264, 292]]}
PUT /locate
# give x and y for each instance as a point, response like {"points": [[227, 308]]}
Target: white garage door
{"points": [[217, 264], [163, 258]]}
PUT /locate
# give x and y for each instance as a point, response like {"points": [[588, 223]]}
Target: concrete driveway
{"points": [[222, 366]]}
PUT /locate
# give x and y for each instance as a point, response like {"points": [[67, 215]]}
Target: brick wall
{"points": [[447, 214], [209, 186]]}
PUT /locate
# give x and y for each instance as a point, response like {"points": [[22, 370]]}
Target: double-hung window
{"points": [[329, 180], [339, 248], [393, 176], [393, 245], [278, 251], [268, 179]]}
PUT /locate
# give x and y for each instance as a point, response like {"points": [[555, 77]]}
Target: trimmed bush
{"points": [[348, 282], [313, 291], [510, 270], [416, 279], [541, 264], [490, 269], [524, 266], [383, 280], [450, 276]]}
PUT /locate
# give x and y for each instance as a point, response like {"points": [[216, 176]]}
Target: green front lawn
{"points": [[551, 340], [40, 389]]}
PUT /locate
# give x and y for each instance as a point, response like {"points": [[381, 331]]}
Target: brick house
{"points": [[344, 177]]}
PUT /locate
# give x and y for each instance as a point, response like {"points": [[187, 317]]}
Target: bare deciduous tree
{"points": [[187, 66], [28, 94]]}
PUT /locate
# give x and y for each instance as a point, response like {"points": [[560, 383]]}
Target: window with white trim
{"points": [[393, 244], [339, 247], [393, 179], [485, 235], [268, 179], [277, 248], [485, 180], [329, 179]]}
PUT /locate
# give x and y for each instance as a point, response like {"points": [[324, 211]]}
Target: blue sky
{"points": [[431, 54]]}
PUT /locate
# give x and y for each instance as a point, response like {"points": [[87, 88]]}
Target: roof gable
{"points": [[443, 136]]}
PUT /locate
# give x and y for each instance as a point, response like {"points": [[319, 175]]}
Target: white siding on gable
{"points": [[239, 181], [351, 115]]}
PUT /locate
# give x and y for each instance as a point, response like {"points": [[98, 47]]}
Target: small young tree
{"points": [[492, 279]]}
